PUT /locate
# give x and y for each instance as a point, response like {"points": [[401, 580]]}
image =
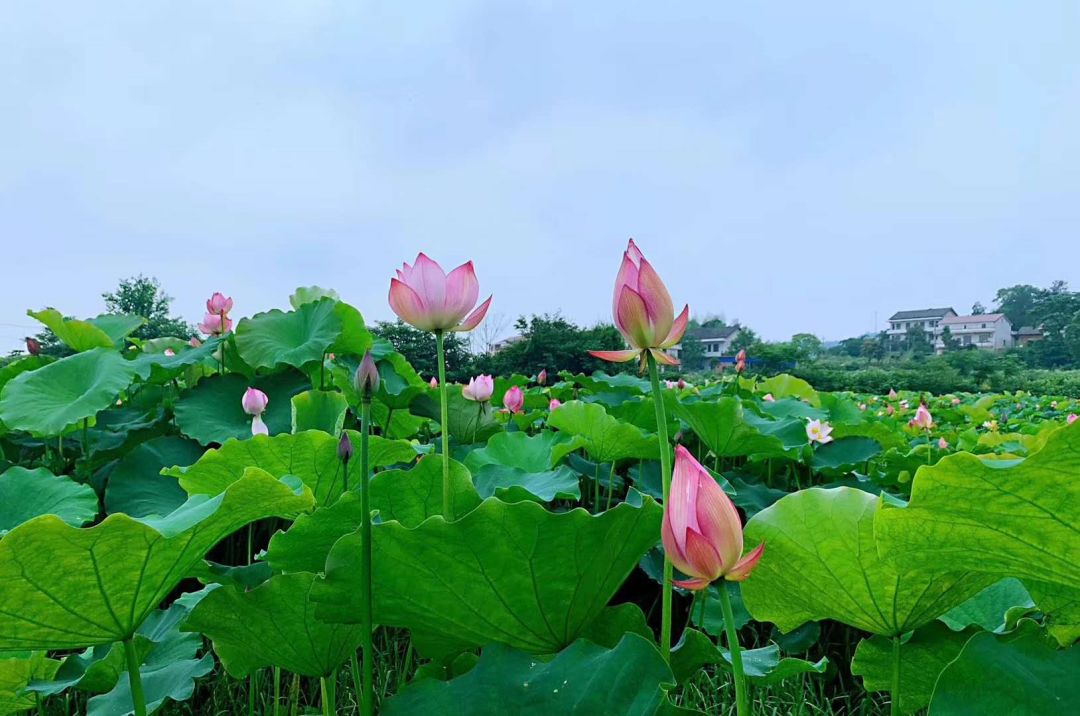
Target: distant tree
{"points": [[713, 321], [807, 346], [919, 341], [977, 309], [691, 354], [489, 332], [143, 296], [420, 350], [745, 339], [948, 340], [873, 348], [551, 342], [1020, 304]]}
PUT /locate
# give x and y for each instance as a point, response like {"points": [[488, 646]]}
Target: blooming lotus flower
{"points": [[254, 403], [1071, 419], [212, 324], [670, 384], [701, 530], [541, 377], [169, 352], [367, 375], [554, 404], [942, 444], [768, 398], [479, 388], [643, 312], [434, 383], [818, 432], [892, 394], [218, 304], [513, 399], [425, 297], [922, 418]]}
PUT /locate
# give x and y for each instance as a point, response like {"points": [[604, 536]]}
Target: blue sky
{"points": [[798, 166]]}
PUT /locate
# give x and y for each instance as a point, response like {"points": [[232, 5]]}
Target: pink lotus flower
{"points": [[425, 297], [862, 406], [212, 324], [956, 401], [554, 404], [892, 394], [818, 432], [254, 403], [1071, 419], [701, 530], [194, 342], [740, 360], [942, 444], [890, 410], [218, 304], [670, 384], [513, 399], [479, 388], [541, 377], [643, 312], [434, 383], [169, 352], [768, 398], [922, 418]]}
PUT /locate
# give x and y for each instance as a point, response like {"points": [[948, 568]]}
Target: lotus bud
{"points": [[701, 529], [479, 388], [942, 444], [768, 398], [169, 352], [740, 361], [889, 410], [254, 401], [434, 383], [514, 399], [956, 401], [922, 418], [33, 347], [218, 304], [541, 377], [554, 404], [344, 447], [892, 394], [194, 342], [367, 376], [1071, 419], [681, 384]]}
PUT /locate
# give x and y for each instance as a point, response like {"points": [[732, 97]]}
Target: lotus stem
{"points": [[277, 690], [665, 478], [327, 685], [742, 703], [134, 678], [894, 696], [447, 497], [610, 484], [368, 700]]}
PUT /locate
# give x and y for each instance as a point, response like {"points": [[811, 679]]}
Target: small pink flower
{"points": [[194, 342], [892, 394], [541, 377], [169, 352], [554, 404], [254, 403], [890, 410], [218, 304], [862, 406], [513, 399], [956, 401], [740, 361], [479, 388], [433, 382], [818, 431], [922, 418], [426, 297], [701, 529], [768, 398], [942, 444], [1071, 419]]}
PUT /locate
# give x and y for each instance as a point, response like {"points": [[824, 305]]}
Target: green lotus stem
{"points": [[85, 439], [447, 497], [134, 678], [327, 685], [665, 477], [742, 704], [894, 700], [610, 485], [368, 700], [253, 686], [596, 488], [294, 695], [277, 690]]}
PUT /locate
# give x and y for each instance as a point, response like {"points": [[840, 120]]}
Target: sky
{"points": [[799, 167]]}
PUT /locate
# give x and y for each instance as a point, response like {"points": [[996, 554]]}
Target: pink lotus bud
{"points": [[643, 312], [479, 388], [701, 530], [956, 401], [892, 394], [818, 431], [218, 304], [670, 384], [890, 410], [513, 399], [554, 405], [169, 352], [740, 361], [367, 376], [922, 418], [344, 447], [425, 297], [1071, 419], [862, 406], [768, 398], [194, 342], [33, 347], [433, 382], [212, 324], [942, 444], [254, 401], [541, 377], [680, 384]]}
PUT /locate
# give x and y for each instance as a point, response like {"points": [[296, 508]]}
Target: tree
{"points": [[807, 346], [142, 296], [1019, 303], [977, 309], [745, 339], [420, 350], [551, 342], [919, 341], [948, 340], [872, 348], [691, 353], [488, 333]]}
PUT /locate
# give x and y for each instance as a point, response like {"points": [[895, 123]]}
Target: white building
{"points": [[716, 342], [989, 331], [929, 319]]}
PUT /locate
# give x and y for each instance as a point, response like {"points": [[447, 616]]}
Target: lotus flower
{"points": [[169, 352], [922, 418], [212, 324], [513, 399], [218, 304], [892, 394], [434, 383], [680, 384], [818, 432], [862, 406], [768, 398], [1053, 403], [889, 410], [194, 342], [554, 404], [942, 444], [479, 388], [956, 401], [643, 312], [425, 297], [254, 403], [1071, 419], [541, 377], [701, 530], [367, 375], [740, 360]]}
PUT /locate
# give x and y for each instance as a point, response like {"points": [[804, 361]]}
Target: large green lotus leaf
{"points": [[1015, 518], [629, 680], [1061, 605], [310, 455], [118, 326], [469, 421], [65, 588], [170, 680], [75, 334], [531, 453], [311, 294], [821, 562], [987, 609], [513, 484], [274, 624], [296, 338], [922, 657], [728, 430], [515, 574], [135, 485], [1019, 673], [406, 496], [784, 386], [606, 438], [17, 670], [50, 399], [845, 454], [22, 365], [762, 666], [319, 410], [25, 494], [160, 368], [211, 412]]}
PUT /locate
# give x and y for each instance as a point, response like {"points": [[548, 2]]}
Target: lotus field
{"points": [[285, 518]]}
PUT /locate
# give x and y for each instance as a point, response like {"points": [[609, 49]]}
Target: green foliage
{"points": [[419, 350], [552, 342], [143, 296]]}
